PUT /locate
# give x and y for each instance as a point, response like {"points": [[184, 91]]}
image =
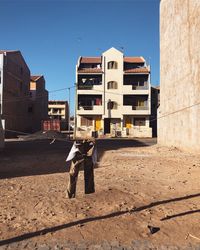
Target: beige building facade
{"points": [[113, 96], [179, 112], [59, 110]]}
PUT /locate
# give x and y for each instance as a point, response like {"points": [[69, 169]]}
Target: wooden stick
{"points": [[192, 236]]}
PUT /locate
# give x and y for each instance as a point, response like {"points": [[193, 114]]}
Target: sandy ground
{"points": [[137, 184]]}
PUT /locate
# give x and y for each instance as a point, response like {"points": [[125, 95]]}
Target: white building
{"points": [[113, 95]]}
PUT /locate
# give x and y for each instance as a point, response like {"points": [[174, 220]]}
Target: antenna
{"points": [[149, 61], [122, 49]]}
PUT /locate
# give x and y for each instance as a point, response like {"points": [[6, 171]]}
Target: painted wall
{"points": [[179, 114], [113, 75]]}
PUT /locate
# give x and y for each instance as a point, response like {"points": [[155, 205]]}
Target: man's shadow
{"points": [[102, 217]]}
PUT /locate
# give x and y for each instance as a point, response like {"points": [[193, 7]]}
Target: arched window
{"points": [[112, 65], [112, 85]]}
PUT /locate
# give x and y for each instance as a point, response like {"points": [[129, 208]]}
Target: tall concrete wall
{"points": [[179, 115]]}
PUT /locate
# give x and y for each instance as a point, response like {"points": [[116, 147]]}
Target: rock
{"points": [[43, 247], [153, 230]]}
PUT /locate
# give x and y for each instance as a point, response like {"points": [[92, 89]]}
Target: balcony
{"points": [[135, 110], [140, 107], [137, 70], [90, 110], [93, 89], [90, 71], [136, 105], [135, 87], [85, 87]]}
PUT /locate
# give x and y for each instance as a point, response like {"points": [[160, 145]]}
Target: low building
{"points": [[38, 105], [59, 110], [113, 95]]}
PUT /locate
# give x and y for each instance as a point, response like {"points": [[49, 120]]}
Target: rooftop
{"points": [[8, 51], [138, 70], [134, 59], [91, 59], [97, 60], [90, 70]]}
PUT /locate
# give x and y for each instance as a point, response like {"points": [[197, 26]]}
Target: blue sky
{"points": [[52, 34]]}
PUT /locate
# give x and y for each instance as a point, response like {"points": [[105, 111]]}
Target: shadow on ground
{"points": [[101, 217], [38, 157]]}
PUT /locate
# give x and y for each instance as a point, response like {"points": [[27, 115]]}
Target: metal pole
{"points": [[76, 106], [69, 112]]}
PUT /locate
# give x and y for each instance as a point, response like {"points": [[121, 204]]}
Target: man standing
{"points": [[82, 155]]}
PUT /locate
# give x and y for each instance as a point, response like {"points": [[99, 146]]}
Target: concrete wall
{"points": [[180, 74]]}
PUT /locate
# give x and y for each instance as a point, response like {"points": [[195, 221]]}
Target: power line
{"points": [[165, 115], [177, 111], [28, 97]]}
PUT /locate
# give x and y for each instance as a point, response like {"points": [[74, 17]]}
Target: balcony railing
{"points": [[85, 108], [140, 107], [85, 87], [135, 87]]}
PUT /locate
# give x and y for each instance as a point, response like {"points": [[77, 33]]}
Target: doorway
{"points": [[107, 126]]}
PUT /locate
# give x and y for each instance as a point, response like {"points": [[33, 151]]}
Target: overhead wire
{"points": [[29, 98], [160, 117], [102, 91]]}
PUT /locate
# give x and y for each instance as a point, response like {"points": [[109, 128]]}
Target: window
{"points": [[21, 86], [86, 121], [112, 65], [30, 109], [112, 85], [139, 121]]}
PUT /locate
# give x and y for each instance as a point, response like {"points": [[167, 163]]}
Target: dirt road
{"points": [[138, 184]]}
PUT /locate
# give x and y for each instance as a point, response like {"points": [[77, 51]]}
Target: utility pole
{"points": [[76, 106], [69, 112]]}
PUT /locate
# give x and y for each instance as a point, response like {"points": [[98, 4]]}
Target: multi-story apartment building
{"points": [[113, 95], [38, 105], [14, 91], [22, 98], [59, 110]]}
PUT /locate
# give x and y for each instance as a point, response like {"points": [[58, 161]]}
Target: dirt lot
{"points": [[137, 184]]}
